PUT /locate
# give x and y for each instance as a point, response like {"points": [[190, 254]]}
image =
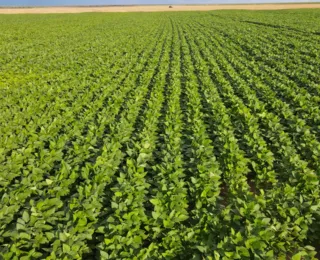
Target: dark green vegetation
{"points": [[160, 136]]}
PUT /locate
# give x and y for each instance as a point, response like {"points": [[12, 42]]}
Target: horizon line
{"points": [[118, 5]]}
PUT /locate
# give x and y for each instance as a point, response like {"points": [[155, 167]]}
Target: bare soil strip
{"points": [[153, 8]]}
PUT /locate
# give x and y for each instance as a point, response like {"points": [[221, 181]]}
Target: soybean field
{"points": [[181, 135]]}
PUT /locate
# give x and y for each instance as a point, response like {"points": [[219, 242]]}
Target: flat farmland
{"points": [[154, 8], [168, 135]]}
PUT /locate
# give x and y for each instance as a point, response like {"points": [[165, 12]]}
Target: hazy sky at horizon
{"points": [[132, 2]]}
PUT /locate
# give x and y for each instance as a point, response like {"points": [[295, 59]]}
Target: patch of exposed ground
{"points": [[153, 8]]}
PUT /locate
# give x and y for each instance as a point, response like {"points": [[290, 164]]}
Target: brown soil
{"points": [[152, 8]]}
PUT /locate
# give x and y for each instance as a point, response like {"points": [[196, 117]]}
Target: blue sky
{"points": [[130, 2]]}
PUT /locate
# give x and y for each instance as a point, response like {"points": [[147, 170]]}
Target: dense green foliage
{"points": [[189, 135]]}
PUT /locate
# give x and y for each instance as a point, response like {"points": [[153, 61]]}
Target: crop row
{"points": [[159, 136]]}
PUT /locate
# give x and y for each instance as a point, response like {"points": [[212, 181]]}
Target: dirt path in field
{"points": [[152, 8]]}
